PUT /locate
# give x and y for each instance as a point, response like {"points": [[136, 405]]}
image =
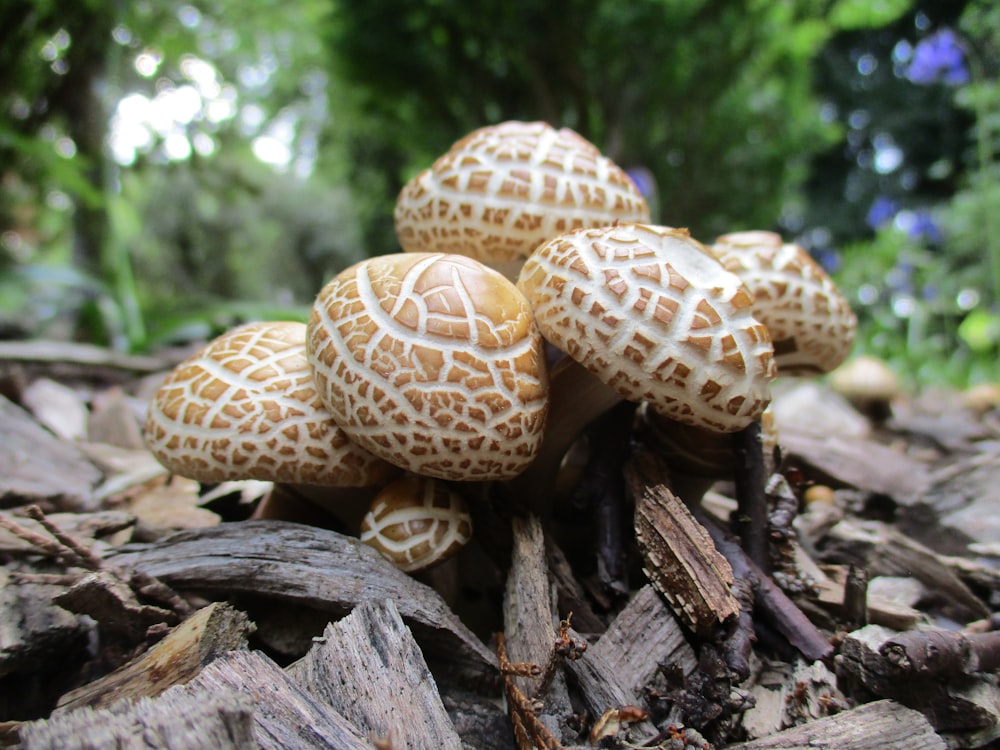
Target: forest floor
{"points": [[139, 609]]}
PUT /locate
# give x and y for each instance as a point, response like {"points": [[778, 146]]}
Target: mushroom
{"points": [[811, 324], [651, 316], [416, 523], [432, 362], [245, 407], [869, 384], [502, 190]]}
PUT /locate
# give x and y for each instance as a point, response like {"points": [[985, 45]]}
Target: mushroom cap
{"points": [[417, 522], [811, 324], [502, 190], [245, 407], [432, 362], [865, 379], [653, 314]]}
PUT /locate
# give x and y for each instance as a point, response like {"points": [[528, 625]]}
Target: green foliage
{"points": [[713, 97]]}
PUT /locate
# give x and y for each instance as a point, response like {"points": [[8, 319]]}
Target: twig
{"points": [[751, 522], [771, 602], [80, 552], [942, 653], [856, 597], [529, 731]]}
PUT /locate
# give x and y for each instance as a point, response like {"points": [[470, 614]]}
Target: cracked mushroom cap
{"points": [[653, 314], [416, 523], [502, 190], [245, 407], [432, 362], [811, 323]]}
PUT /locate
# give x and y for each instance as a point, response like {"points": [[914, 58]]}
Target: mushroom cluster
{"points": [[431, 363]]}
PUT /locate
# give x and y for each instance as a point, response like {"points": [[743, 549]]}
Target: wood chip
{"points": [[369, 668], [178, 720], [208, 633], [680, 558], [315, 567], [36, 466], [663, 641], [882, 725], [285, 715]]}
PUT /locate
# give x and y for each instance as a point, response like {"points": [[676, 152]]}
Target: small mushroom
{"points": [[245, 407], [869, 384], [649, 315], [811, 323], [502, 190], [432, 362], [416, 523]]}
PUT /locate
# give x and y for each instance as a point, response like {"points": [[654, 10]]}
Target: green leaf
{"points": [[866, 14], [980, 330]]}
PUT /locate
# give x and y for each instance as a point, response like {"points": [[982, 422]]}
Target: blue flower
{"points": [[923, 226], [938, 57], [881, 212]]}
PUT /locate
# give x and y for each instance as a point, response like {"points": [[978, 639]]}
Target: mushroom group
{"points": [[532, 294]]}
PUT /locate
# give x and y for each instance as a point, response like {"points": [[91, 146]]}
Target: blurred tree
{"points": [[711, 96]]}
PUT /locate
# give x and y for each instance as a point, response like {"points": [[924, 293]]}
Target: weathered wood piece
{"points": [[787, 694], [646, 616], [603, 688], [883, 550], [942, 653], [208, 633], [36, 466], [68, 352], [36, 636], [966, 707], [177, 720], [882, 725], [96, 527], [284, 714], [857, 462], [369, 669], [113, 604], [315, 567], [679, 557], [530, 622]]}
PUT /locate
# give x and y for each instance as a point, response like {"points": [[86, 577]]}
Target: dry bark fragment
{"points": [[208, 633], [369, 668], [314, 567], [285, 715], [679, 557], [646, 619], [177, 720], [39, 467], [882, 725], [529, 622]]}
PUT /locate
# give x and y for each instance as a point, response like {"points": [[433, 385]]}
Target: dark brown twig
{"points": [[529, 731], [942, 653], [751, 522]]}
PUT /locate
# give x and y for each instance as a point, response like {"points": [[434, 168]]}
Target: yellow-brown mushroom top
{"points": [[502, 190], [432, 362], [810, 322], [416, 523], [245, 407], [654, 315]]}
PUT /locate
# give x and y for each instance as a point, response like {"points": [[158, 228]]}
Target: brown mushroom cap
{"points": [[432, 362], [502, 190], [245, 407], [416, 523], [811, 324], [654, 315]]}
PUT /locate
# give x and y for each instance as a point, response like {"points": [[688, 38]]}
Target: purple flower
{"points": [[883, 210], [923, 226], [938, 57]]}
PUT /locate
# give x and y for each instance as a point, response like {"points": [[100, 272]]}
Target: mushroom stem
{"points": [[577, 398]]}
